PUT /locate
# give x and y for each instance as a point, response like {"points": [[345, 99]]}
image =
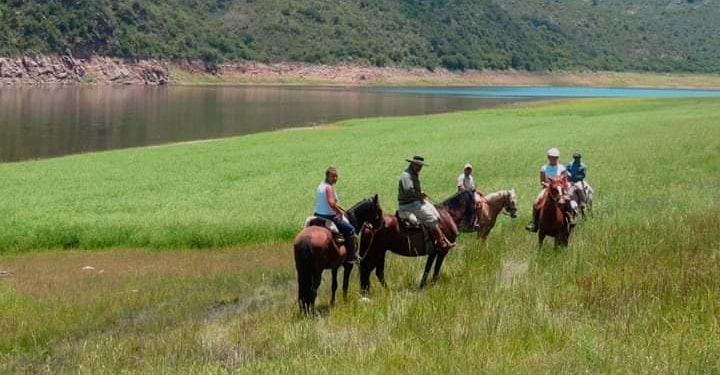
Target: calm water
{"points": [[551, 92], [41, 122]]}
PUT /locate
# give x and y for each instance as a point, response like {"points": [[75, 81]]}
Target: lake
{"points": [[43, 122]]}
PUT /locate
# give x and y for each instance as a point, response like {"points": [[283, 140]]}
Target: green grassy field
{"points": [[635, 292]]}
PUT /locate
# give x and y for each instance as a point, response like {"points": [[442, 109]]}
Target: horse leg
{"points": [[334, 285], [428, 265], [380, 272], [347, 268], [541, 238], [366, 267], [438, 264]]}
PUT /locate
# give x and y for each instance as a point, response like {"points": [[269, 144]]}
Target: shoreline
{"points": [[97, 70]]}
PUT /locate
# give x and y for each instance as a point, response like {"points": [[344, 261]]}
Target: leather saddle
{"points": [[315, 221], [410, 222], [407, 219]]}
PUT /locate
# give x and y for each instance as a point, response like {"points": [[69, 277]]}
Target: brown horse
{"points": [[315, 250], [401, 240], [554, 208], [487, 209]]}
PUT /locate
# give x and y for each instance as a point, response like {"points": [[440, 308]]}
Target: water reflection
{"points": [[41, 122]]}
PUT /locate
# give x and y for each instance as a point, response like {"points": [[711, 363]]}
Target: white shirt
{"points": [[466, 182]]}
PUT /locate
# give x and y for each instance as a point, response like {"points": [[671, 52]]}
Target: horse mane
{"points": [[364, 204], [350, 212], [455, 200], [495, 195]]}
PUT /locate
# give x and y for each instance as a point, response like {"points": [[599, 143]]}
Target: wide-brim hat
{"points": [[577, 155], [417, 160], [468, 166]]}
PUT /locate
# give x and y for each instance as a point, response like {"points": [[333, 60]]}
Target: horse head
{"points": [[367, 212], [557, 190], [510, 203]]}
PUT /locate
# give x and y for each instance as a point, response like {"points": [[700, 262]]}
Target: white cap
{"points": [[553, 152], [468, 165]]}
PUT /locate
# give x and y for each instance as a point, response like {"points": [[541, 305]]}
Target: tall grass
{"points": [[635, 292]]}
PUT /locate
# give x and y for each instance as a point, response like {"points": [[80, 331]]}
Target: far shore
{"points": [[304, 74], [100, 70]]}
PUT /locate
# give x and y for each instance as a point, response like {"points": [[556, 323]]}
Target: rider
{"points": [[550, 170], [576, 173], [327, 207], [465, 182], [412, 199]]}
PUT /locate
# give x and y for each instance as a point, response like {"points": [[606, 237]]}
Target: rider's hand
{"points": [[423, 195]]}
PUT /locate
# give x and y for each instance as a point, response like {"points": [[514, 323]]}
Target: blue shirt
{"points": [[322, 207], [577, 171], [552, 171]]}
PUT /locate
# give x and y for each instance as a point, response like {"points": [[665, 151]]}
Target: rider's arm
{"points": [[543, 180], [409, 187], [332, 202], [461, 183]]}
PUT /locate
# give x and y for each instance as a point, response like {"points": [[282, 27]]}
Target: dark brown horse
{"points": [[487, 209], [315, 251], [554, 210], [401, 240]]}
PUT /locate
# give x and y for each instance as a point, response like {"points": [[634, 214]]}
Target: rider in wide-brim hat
{"points": [[417, 160]]}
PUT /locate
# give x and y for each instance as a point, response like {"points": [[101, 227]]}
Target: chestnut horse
{"points": [[401, 240], [487, 209], [316, 251], [554, 210]]}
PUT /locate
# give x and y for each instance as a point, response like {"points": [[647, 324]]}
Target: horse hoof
{"points": [[364, 300]]}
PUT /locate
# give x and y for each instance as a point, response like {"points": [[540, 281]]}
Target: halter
{"points": [[367, 224]]}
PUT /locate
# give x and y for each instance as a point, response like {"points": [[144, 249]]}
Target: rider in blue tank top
{"points": [[550, 170], [327, 206]]}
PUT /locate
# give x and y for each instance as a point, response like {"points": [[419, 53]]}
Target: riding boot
{"points": [[533, 227], [441, 242], [351, 256]]}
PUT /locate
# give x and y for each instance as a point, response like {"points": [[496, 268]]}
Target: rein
{"points": [[373, 231]]}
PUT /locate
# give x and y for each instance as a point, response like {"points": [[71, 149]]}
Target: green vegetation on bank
{"points": [[646, 35], [259, 187], [635, 292]]}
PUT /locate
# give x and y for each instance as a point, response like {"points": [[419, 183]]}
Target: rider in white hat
{"points": [[550, 170], [465, 182]]}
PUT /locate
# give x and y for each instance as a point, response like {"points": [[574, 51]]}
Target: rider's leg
{"points": [[441, 241], [429, 216], [533, 226], [470, 219], [348, 231]]}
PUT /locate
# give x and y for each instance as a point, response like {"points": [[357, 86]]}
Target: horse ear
{"points": [[375, 198]]}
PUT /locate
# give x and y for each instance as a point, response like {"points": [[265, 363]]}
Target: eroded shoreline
{"points": [[98, 70]]}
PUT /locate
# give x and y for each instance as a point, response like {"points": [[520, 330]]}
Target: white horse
{"points": [[581, 194]]}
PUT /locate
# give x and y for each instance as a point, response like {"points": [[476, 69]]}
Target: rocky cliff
{"points": [[67, 70]]}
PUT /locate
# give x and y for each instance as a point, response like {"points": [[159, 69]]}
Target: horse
{"points": [[485, 212], [581, 193], [315, 250], [404, 241], [554, 208]]}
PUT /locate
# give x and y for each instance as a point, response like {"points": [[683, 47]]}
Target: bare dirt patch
{"points": [[45, 274]]}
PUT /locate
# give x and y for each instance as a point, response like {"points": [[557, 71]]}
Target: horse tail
{"points": [[305, 265]]}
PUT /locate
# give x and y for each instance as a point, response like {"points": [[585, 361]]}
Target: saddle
{"points": [[410, 223], [315, 221], [407, 219]]}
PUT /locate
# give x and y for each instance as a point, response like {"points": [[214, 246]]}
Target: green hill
{"points": [[653, 35]]}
